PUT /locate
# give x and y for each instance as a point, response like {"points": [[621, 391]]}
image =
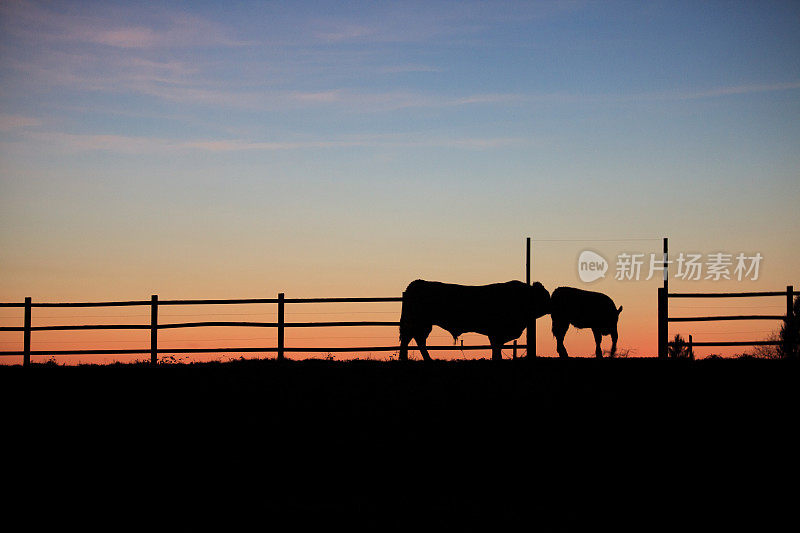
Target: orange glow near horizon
{"points": [[637, 328]]}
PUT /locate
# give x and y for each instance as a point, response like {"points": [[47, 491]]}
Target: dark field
{"points": [[550, 443]]}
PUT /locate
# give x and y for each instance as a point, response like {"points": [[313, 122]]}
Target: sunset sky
{"points": [[241, 149]]}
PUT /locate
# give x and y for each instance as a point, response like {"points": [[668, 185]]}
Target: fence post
{"points": [[281, 325], [154, 329], [662, 322], [789, 336], [691, 349], [514, 350], [26, 337]]}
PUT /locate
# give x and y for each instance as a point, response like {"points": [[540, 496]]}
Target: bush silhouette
{"points": [[678, 348], [767, 351]]}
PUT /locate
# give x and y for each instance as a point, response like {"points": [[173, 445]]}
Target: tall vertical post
{"points": [[26, 335], [790, 337], [281, 326], [528, 260], [691, 348], [154, 329], [663, 307], [662, 322], [530, 335]]}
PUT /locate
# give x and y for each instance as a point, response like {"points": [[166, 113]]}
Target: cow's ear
{"points": [[619, 310]]}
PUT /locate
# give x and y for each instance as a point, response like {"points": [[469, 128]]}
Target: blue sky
{"points": [[309, 146]]}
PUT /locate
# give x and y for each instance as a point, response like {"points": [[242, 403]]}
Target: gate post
{"points": [[530, 334], [789, 337], [666, 263], [662, 322]]}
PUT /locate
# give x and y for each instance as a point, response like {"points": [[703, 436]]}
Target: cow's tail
{"points": [[405, 316], [405, 329], [408, 310]]}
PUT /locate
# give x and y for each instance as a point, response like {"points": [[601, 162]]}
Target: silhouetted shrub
{"points": [[678, 348], [766, 352], [623, 353]]}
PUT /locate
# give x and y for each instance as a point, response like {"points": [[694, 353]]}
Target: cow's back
{"points": [[466, 308], [582, 309]]}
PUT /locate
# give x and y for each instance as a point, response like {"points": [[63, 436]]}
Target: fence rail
{"points": [[337, 349], [664, 319], [154, 326], [724, 317]]}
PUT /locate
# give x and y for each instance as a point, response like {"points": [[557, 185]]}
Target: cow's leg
{"points": [[405, 338], [420, 336], [497, 349], [613, 342], [598, 338], [560, 328]]}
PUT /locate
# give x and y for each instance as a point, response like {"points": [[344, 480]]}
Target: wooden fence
{"points": [[154, 303], [664, 319]]}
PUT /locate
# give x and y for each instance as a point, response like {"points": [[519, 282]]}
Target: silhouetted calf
{"points": [[583, 309], [500, 311]]}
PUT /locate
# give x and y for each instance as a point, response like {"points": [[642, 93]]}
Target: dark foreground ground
{"points": [[550, 444]]}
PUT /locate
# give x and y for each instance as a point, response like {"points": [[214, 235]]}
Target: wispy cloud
{"points": [[367, 141], [184, 83], [109, 27], [124, 144], [345, 32], [404, 69], [731, 90], [18, 122], [428, 22]]}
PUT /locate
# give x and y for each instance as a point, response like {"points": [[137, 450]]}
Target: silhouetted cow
{"points": [[500, 311], [583, 309]]}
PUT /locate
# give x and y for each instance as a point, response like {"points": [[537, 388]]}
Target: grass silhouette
{"points": [[558, 444]]}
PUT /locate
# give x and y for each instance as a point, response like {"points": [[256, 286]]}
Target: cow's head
{"points": [[541, 300]]}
